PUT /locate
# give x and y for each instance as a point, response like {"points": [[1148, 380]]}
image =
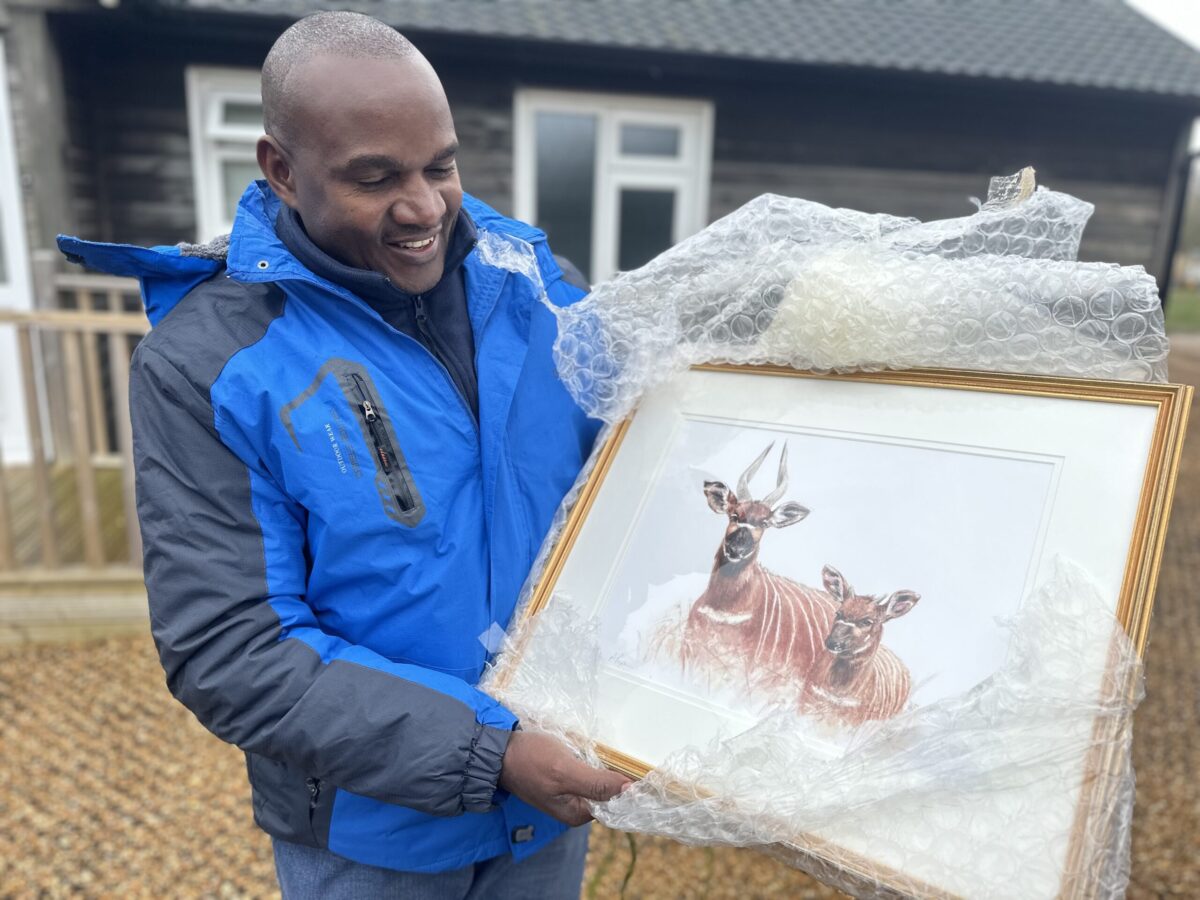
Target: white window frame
{"points": [[213, 141], [16, 290], [689, 175]]}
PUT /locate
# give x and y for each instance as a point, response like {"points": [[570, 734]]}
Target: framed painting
{"points": [[850, 544]]}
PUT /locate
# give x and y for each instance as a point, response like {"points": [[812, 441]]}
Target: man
{"points": [[350, 442]]}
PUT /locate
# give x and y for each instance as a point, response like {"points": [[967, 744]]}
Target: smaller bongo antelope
{"points": [[858, 679]]}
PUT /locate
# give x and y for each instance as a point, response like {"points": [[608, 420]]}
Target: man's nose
{"points": [[419, 207]]}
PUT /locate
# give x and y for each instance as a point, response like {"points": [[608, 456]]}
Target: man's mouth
{"points": [[416, 248], [416, 245]]}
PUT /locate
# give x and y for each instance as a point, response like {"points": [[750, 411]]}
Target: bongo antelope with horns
{"points": [[770, 626], [858, 679]]}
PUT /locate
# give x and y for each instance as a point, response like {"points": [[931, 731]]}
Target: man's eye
{"points": [[443, 171], [369, 183]]}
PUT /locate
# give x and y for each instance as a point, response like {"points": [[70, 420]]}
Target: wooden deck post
{"points": [[118, 354], [85, 478], [93, 380], [37, 448], [7, 557]]}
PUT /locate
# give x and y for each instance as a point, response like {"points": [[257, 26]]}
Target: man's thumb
{"points": [[601, 785]]}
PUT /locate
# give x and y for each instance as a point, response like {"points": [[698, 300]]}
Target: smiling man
{"points": [[345, 134], [350, 442]]}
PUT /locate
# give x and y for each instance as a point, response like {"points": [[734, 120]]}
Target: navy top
{"points": [[437, 319]]}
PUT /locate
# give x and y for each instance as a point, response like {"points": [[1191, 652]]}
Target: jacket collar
{"points": [[256, 254], [372, 286]]}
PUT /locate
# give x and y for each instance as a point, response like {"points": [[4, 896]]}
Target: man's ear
{"points": [[277, 169], [720, 498]]}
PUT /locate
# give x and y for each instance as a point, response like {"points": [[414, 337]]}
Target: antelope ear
{"points": [[720, 498], [788, 514], [899, 603], [836, 584]]}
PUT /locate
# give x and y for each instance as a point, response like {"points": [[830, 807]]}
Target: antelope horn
{"points": [[743, 488], [782, 482]]}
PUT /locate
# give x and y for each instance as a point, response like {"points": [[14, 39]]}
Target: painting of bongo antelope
{"points": [[847, 580], [823, 645]]}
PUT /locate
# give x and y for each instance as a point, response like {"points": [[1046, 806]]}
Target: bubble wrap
{"points": [[983, 776], [964, 790], [790, 282]]}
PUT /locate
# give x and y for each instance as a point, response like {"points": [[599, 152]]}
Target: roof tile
{"points": [[1102, 44]]}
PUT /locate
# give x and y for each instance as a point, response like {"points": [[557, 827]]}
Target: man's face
{"points": [[371, 148]]}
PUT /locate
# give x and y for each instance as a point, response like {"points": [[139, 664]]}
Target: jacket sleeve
{"points": [[243, 651]]}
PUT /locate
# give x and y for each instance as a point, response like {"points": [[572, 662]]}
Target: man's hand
{"points": [[547, 775]]}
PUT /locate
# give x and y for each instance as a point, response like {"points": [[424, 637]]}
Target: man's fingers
{"points": [[596, 784], [607, 785], [576, 812], [544, 772]]}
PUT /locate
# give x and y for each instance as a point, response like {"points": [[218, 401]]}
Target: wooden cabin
{"points": [[621, 125]]}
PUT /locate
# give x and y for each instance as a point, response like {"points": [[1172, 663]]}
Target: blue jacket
{"points": [[330, 538]]}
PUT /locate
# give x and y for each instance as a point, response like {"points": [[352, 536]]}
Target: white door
{"points": [[16, 291]]}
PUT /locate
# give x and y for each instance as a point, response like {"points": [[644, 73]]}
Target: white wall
{"points": [[16, 290]]}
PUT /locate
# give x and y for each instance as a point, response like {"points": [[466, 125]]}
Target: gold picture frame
{"points": [[1169, 404]]}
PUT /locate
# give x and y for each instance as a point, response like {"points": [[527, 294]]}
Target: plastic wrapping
{"points": [[1000, 761], [896, 806], [794, 283]]}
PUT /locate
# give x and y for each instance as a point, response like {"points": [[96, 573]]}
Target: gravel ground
{"points": [[108, 788]]}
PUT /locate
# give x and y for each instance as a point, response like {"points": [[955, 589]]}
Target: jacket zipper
{"points": [[314, 798], [383, 447], [423, 326], [437, 357], [432, 337]]}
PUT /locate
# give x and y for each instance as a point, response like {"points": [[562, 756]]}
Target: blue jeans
{"points": [[553, 873]]}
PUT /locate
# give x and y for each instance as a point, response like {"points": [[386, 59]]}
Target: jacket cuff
{"points": [[483, 767]]}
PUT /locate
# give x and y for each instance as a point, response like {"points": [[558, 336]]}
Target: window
{"points": [[613, 180], [225, 122]]}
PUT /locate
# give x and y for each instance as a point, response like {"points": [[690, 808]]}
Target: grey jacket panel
{"points": [[284, 803], [362, 729]]}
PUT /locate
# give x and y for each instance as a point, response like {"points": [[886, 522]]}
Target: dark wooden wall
{"points": [[130, 160], [922, 150], [898, 144]]}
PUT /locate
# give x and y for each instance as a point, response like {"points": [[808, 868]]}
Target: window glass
{"points": [[611, 178], [647, 219], [235, 175], [566, 172], [241, 112], [650, 140]]}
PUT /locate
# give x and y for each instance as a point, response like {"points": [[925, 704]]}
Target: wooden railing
{"points": [[70, 509]]}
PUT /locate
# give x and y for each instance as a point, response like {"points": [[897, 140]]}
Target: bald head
{"points": [[348, 35], [360, 143]]}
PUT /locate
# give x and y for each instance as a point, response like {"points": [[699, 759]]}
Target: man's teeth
{"points": [[416, 245]]}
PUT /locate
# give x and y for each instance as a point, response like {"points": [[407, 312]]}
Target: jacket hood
{"points": [[252, 252], [166, 275]]}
